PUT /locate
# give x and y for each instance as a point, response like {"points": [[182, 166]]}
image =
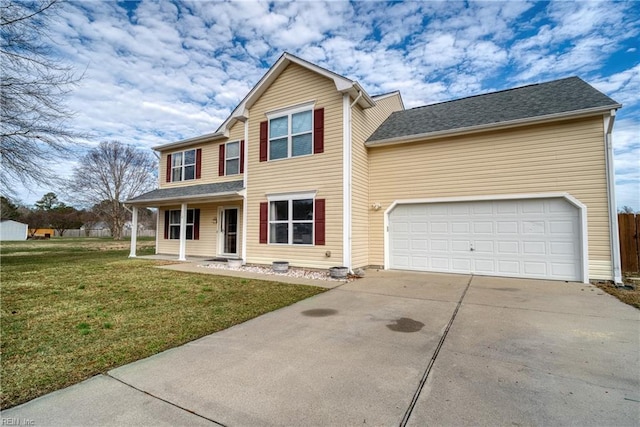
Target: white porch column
{"points": [[134, 232], [183, 233]]}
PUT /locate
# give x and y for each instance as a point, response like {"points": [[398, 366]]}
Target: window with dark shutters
{"points": [[264, 140], [318, 131], [319, 221], [242, 156], [168, 167], [198, 163], [264, 221], [221, 160]]}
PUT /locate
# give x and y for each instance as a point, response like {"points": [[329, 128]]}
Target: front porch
{"points": [[202, 221]]}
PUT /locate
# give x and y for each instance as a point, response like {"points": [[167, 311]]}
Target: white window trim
{"points": [[297, 108], [275, 197], [227, 158], [177, 224], [290, 221], [183, 165], [289, 112]]}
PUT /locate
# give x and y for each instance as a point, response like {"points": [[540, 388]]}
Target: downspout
{"points": [[347, 188], [245, 203], [611, 193]]}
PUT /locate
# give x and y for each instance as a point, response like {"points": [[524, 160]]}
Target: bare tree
{"points": [[109, 175], [34, 120]]}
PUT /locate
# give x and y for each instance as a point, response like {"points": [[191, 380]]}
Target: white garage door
{"points": [[534, 238]]}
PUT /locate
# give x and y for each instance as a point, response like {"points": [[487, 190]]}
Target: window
{"points": [[183, 165], [290, 135], [232, 158], [174, 224], [291, 222], [296, 131]]}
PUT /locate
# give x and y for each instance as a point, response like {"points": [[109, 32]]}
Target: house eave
{"points": [[494, 126], [210, 137]]}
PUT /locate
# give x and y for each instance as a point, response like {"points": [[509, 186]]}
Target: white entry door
{"points": [[532, 238], [228, 237]]}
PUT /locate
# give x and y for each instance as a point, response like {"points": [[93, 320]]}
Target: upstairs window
{"points": [[184, 165], [290, 135], [292, 132], [231, 158]]}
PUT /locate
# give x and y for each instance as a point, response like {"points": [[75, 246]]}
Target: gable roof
{"points": [[342, 84], [240, 113], [544, 101]]}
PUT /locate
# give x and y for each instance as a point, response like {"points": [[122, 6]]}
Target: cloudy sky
{"points": [[160, 71]]}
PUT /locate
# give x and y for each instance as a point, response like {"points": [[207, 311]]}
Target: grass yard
{"points": [[72, 308]]}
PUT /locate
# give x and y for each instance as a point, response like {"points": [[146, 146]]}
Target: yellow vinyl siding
{"points": [[210, 158], [316, 172], [207, 245], [556, 157], [364, 123]]}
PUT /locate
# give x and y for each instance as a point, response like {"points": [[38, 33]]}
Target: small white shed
{"points": [[13, 230]]}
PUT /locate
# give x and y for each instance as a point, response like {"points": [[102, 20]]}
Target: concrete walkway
{"points": [[390, 349]]}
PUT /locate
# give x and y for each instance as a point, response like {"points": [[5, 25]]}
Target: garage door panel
{"points": [[507, 227], [562, 227], [460, 227], [508, 248], [521, 238], [534, 248], [439, 227], [563, 248], [438, 245]]}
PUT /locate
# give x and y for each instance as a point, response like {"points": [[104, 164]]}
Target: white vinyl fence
{"points": [[105, 232]]}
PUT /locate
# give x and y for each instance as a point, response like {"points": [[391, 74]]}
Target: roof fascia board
{"points": [[494, 126], [217, 136], [167, 200]]}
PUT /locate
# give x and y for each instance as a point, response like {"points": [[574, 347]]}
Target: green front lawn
{"points": [[72, 308]]}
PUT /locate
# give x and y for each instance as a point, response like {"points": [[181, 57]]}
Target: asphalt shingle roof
{"points": [[189, 191], [558, 96]]}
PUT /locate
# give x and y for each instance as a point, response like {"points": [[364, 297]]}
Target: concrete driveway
{"points": [[391, 349]]}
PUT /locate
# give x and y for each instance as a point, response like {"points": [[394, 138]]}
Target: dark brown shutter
{"points": [[319, 221], [198, 163], [168, 167], [196, 224], [264, 221], [318, 131], [221, 161], [242, 156], [166, 224], [264, 140]]}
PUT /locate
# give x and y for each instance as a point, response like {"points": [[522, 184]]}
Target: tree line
{"points": [[37, 132], [51, 213]]}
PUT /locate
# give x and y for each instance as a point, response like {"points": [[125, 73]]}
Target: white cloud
{"points": [[164, 71]]}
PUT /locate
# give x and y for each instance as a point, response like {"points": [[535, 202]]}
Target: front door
{"points": [[230, 231]]}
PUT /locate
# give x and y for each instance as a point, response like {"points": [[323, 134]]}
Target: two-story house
{"points": [[312, 170]]}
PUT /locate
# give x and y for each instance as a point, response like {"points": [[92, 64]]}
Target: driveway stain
{"points": [[320, 312], [506, 289], [404, 324]]}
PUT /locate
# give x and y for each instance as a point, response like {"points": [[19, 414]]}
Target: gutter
{"points": [[611, 193], [491, 126], [178, 199], [190, 141]]}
